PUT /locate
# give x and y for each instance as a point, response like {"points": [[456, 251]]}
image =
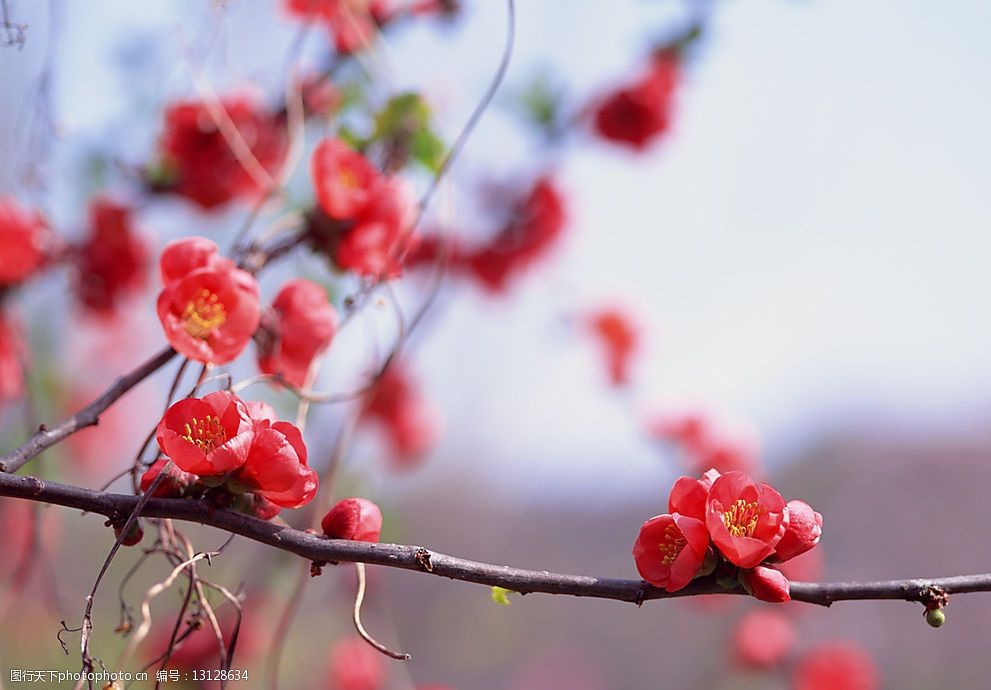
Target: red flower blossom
{"points": [[689, 495], [636, 115], [23, 235], [766, 584], [354, 665], [410, 423], [352, 23], [342, 178], [275, 467], [200, 164], [113, 260], [305, 323], [382, 232], [532, 229], [12, 357], [357, 519], [763, 638], [210, 313], [803, 532], [669, 550], [709, 441], [619, 338], [746, 520], [183, 256], [836, 666], [174, 485], [208, 436]]}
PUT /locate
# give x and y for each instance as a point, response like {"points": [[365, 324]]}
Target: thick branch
{"points": [[88, 416], [320, 549]]}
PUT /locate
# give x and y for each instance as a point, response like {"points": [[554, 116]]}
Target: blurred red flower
{"points": [[669, 550], [637, 114], [342, 179], [763, 638], [689, 495], [13, 352], [304, 325], [23, 235], [199, 162], [836, 666], [208, 313], [357, 519], [411, 424], [537, 220], [113, 259], [745, 519], [382, 232], [618, 337], [354, 665]]}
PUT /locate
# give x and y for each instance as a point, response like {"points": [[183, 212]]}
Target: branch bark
{"points": [[46, 437], [409, 557]]}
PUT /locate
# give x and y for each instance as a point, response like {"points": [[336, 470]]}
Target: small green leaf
{"points": [[500, 595], [427, 149]]}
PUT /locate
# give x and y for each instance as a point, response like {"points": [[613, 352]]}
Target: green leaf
{"points": [[500, 595], [428, 150]]}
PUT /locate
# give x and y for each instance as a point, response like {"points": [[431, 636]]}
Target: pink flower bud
{"points": [[766, 584], [357, 519], [803, 531]]}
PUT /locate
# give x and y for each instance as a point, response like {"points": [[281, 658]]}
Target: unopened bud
{"points": [[935, 617]]}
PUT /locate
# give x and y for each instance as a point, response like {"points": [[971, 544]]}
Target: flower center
{"points": [[348, 178], [674, 542], [741, 518], [203, 315], [205, 434]]}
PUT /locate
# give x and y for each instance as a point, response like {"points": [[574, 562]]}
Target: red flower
{"points": [[351, 22], [183, 256], [709, 441], [766, 584], [763, 638], [305, 324], [836, 666], [275, 467], [23, 235], [113, 260], [357, 519], [669, 550], [619, 338], [532, 229], [746, 520], [803, 532], [209, 314], [689, 495], [208, 436], [200, 164], [638, 114], [342, 178], [410, 423], [175, 483], [382, 232], [354, 665], [12, 358]]}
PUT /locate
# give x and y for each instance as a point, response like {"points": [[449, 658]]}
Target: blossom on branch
{"points": [[357, 519], [208, 308], [23, 239], [303, 326], [636, 115], [213, 154], [113, 259]]}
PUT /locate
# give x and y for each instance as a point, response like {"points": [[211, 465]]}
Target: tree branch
{"points": [[88, 416], [315, 548]]}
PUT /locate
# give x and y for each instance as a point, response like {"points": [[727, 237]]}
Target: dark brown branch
{"points": [[417, 558], [46, 437]]}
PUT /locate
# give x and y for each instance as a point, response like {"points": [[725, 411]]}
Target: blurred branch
{"points": [[408, 557], [88, 416]]}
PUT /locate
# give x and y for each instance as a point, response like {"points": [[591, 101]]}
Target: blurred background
{"points": [[802, 255]]}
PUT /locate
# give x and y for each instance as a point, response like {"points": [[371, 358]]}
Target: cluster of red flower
{"points": [[221, 444], [727, 525]]}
